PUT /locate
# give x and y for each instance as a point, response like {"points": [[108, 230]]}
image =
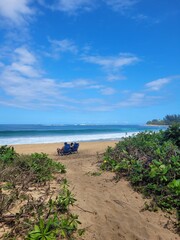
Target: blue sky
{"points": [[89, 61]]}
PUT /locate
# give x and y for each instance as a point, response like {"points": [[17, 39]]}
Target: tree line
{"points": [[167, 120]]}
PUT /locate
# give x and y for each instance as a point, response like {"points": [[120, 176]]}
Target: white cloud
{"points": [[113, 77], [134, 99], [91, 101], [16, 11], [23, 55], [24, 64], [100, 108], [23, 84], [24, 69], [78, 83], [23, 81], [62, 46], [139, 100], [113, 63], [1, 64], [141, 17], [158, 84], [69, 6], [74, 5], [121, 5], [108, 91]]}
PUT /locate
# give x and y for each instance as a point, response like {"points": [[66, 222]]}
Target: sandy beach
{"points": [[106, 209]]}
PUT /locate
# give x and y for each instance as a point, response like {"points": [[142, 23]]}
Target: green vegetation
{"points": [[151, 162], [167, 120], [58, 222], [29, 209], [37, 166]]}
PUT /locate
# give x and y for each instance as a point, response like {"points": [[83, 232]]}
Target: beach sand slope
{"points": [[108, 210]]}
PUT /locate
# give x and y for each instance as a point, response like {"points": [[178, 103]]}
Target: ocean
{"points": [[11, 134]]}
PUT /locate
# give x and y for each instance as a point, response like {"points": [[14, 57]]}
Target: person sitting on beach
{"points": [[60, 150], [72, 145]]}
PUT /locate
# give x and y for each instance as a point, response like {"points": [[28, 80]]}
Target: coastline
{"points": [[157, 125], [50, 148], [35, 134]]}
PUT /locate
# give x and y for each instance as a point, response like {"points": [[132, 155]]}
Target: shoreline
{"points": [[156, 125], [50, 148], [69, 139], [18, 136], [51, 143]]}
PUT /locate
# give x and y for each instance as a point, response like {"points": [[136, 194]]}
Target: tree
{"points": [[167, 120]]}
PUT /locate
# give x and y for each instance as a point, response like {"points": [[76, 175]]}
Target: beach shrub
{"points": [[15, 167], [151, 162], [173, 134], [43, 231], [7, 154], [42, 166], [55, 221], [40, 212], [65, 198]]}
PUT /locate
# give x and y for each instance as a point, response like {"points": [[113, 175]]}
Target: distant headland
{"points": [[167, 120]]}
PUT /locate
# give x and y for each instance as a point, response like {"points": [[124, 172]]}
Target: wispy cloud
{"points": [[69, 6], [84, 84], [1, 64], [114, 63], [139, 99], [23, 84], [115, 77], [75, 6], [16, 11], [59, 47], [24, 64], [23, 80], [121, 5], [158, 84], [108, 91], [133, 100], [23, 55], [78, 83], [72, 6], [64, 45]]}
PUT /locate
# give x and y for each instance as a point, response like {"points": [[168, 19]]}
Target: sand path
{"points": [[108, 210]]}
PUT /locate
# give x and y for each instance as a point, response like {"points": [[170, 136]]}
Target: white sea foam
{"points": [[71, 138]]}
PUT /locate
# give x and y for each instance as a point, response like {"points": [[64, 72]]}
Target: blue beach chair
{"points": [[75, 147], [65, 151]]}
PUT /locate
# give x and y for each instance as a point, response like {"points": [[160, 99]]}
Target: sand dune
{"points": [[108, 210]]}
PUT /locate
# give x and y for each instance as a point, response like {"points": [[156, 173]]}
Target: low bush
{"points": [[26, 189], [52, 224], [39, 166], [151, 162]]}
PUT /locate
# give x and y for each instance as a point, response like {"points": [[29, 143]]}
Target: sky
{"points": [[89, 61]]}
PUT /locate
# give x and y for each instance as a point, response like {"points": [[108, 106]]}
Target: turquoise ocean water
{"points": [[30, 134]]}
